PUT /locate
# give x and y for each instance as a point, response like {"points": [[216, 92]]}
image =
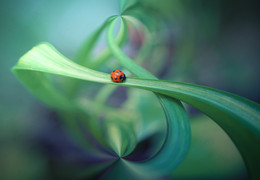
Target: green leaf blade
{"points": [[239, 117], [177, 139]]}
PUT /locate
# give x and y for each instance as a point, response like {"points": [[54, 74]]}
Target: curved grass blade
{"points": [[147, 42], [83, 56], [87, 46], [178, 131], [42, 87], [238, 116], [254, 126]]}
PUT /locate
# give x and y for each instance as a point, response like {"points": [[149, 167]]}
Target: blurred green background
{"points": [[215, 43]]}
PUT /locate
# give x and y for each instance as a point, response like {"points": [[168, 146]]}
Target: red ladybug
{"points": [[117, 76]]}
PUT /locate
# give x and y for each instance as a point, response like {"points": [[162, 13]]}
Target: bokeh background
{"points": [[213, 43]]}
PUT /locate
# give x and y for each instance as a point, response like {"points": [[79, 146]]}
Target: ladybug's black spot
{"points": [[114, 70], [115, 78], [124, 77], [121, 77], [111, 77]]}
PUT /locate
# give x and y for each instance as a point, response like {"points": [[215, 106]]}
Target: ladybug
{"points": [[117, 76]]}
